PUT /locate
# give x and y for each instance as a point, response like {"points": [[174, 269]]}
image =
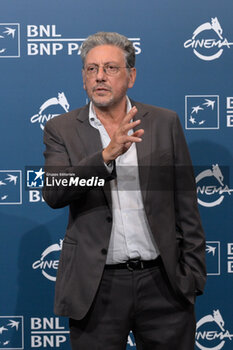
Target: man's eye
{"points": [[112, 67]]}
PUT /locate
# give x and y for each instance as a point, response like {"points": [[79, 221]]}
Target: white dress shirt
{"points": [[131, 236]]}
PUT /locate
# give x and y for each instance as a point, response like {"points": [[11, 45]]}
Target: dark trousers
{"points": [[141, 301]]}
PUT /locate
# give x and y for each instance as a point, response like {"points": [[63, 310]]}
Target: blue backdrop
{"points": [[184, 62]]}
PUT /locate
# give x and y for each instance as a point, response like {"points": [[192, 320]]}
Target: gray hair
{"points": [[109, 38]]}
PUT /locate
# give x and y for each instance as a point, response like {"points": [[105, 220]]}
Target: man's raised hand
{"points": [[121, 141]]}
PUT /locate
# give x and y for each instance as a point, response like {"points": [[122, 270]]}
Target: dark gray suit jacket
{"points": [[169, 196]]}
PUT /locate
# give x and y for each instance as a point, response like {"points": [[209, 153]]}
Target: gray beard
{"points": [[108, 103]]}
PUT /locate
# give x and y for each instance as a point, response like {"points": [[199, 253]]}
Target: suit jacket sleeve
{"points": [[57, 161], [190, 234]]}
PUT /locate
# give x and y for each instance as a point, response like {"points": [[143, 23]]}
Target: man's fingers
{"points": [[130, 115], [132, 139], [125, 128], [138, 133], [135, 137]]}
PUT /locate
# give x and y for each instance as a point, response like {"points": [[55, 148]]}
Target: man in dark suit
{"points": [[133, 254]]}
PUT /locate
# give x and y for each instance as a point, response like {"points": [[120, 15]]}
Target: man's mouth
{"points": [[101, 89]]}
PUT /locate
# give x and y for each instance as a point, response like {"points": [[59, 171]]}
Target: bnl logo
{"points": [[9, 40], [201, 112], [213, 258], [35, 179], [10, 187], [11, 332]]}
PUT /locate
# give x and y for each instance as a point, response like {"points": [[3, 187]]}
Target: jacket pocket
{"points": [[66, 261], [185, 281], [69, 240]]}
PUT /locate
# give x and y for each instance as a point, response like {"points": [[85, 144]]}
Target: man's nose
{"points": [[101, 74]]}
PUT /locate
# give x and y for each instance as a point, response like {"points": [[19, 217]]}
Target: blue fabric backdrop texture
{"points": [[184, 62]]}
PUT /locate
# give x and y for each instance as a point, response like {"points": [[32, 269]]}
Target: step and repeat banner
{"points": [[184, 55]]}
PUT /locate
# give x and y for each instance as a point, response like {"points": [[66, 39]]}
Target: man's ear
{"points": [[84, 79], [132, 77]]}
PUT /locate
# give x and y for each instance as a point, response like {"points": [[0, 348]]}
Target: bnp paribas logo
{"points": [[207, 41], [9, 40], [10, 187], [201, 112], [11, 332], [213, 258]]}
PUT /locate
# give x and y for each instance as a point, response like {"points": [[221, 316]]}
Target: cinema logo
{"points": [[211, 189], [48, 332], [206, 46], [49, 261], [50, 108], [211, 333], [45, 40]]}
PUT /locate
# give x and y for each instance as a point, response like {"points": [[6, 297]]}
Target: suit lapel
{"points": [[89, 136], [144, 150], [91, 140]]}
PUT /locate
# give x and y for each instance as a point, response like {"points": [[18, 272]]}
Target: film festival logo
{"points": [[211, 189], [11, 332], [9, 40], [201, 112], [49, 261], [211, 333], [207, 41], [213, 258], [10, 187], [47, 110]]}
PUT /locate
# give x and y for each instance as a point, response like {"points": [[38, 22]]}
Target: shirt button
{"points": [[104, 251], [109, 219]]}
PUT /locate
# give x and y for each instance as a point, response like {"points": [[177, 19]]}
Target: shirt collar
{"points": [[93, 119]]}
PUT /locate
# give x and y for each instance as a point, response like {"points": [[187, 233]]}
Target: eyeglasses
{"points": [[109, 69]]}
